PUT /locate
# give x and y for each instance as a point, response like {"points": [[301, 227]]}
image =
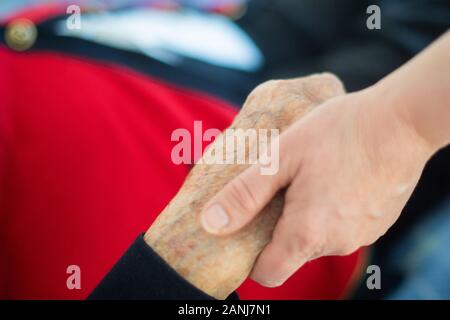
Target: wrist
{"points": [[418, 93], [196, 256], [398, 108]]}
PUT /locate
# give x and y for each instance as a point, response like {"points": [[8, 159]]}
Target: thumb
{"points": [[239, 201], [246, 195]]}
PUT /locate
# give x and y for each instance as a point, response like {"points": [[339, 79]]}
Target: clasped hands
{"points": [[336, 189]]}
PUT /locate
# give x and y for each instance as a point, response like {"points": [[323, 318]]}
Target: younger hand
{"points": [[349, 167]]}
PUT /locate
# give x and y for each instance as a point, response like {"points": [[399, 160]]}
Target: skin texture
{"points": [[349, 167], [218, 265]]}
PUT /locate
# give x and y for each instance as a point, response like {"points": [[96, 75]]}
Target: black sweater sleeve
{"points": [[142, 274]]}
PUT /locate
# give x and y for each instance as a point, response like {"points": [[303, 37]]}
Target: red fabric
{"points": [[85, 167]]}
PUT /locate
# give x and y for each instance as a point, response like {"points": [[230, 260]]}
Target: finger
{"points": [[290, 248], [239, 201], [248, 193]]}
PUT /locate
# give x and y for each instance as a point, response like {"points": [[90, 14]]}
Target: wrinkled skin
{"points": [[218, 265]]}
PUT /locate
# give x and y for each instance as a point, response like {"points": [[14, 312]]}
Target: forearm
{"points": [[419, 92]]}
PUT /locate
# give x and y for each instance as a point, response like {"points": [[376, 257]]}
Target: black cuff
{"points": [[142, 274]]}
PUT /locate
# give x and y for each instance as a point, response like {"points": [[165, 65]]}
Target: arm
{"points": [[349, 167], [420, 92]]}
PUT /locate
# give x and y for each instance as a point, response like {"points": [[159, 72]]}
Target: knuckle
{"points": [[309, 240], [323, 86], [271, 86], [253, 94], [274, 83], [286, 268], [330, 77], [264, 91], [242, 195]]}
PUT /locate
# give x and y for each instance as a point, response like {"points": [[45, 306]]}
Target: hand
{"points": [[218, 265], [349, 167]]}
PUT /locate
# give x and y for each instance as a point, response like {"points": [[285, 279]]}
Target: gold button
{"points": [[20, 34]]}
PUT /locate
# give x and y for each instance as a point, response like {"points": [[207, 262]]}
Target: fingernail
{"points": [[215, 218]]}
